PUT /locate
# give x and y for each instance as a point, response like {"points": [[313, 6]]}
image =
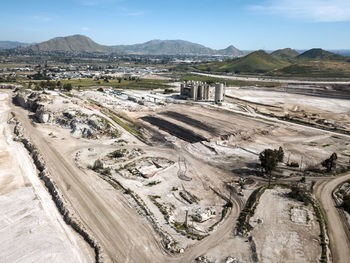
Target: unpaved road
{"points": [[31, 228], [337, 230], [123, 234], [263, 79]]}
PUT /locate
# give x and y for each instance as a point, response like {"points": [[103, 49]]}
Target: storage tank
{"points": [[200, 92], [219, 93], [194, 91], [206, 92]]}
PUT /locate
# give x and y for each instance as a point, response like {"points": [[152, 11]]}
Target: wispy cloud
{"points": [[311, 10], [127, 12], [41, 18], [98, 2], [136, 13], [85, 29]]}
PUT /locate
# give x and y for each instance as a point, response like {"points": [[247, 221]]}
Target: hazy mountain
{"points": [[343, 52], [175, 47], [75, 43], [80, 43], [286, 53], [11, 44], [255, 62], [319, 54], [230, 51]]}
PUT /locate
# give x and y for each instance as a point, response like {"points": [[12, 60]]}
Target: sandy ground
{"points": [[285, 100], [280, 237], [235, 140], [31, 228]]}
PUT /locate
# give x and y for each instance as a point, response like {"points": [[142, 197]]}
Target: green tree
{"points": [[67, 87], [280, 154], [330, 163], [59, 85], [269, 159]]}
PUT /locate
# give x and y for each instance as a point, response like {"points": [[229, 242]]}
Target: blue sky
{"points": [[246, 24]]}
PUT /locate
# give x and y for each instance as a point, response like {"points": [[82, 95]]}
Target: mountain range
{"points": [[12, 44], [176, 47], [80, 43]]}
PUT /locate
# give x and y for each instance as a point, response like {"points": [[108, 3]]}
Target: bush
{"points": [[98, 165], [293, 164], [346, 203], [67, 87], [330, 163], [299, 194], [117, 153]]}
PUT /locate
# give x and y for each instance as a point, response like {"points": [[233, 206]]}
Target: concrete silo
{"points": [[219, 93]]}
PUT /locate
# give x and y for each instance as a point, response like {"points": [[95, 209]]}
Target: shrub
{"points": [[98, 164], [293, 164]]}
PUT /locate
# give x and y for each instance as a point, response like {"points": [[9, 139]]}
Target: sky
{"points": [[246, 24]]}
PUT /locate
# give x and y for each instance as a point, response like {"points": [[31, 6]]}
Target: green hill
{"points": [[256, 62], [286, 53], [230, 51], [75, 43], [319, 54]]}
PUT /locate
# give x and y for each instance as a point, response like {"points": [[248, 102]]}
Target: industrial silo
{"points": [[194, 91], [200, 92], [219, 93]]}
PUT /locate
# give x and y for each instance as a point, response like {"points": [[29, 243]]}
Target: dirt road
{"points": [[337, 231], [31, 228], [124, 235], [263, 79]]}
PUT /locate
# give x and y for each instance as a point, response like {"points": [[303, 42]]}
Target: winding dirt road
{"points": [[337, 230]]}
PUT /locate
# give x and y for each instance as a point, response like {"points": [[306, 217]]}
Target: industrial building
{"points": [[201, 91]]}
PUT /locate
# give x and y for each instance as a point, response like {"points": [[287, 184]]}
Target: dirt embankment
{"points": [[68, 215]]}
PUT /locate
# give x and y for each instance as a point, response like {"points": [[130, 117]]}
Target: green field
{"points": [[140, 84]]}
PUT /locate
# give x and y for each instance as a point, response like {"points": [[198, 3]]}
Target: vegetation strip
{"points": [[243, 226]]}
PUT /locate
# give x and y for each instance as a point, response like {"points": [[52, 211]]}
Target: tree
{"points": [[67, 87], [59, 85], [280, 154], [98, 164], [269, 159], [330, 163]]}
